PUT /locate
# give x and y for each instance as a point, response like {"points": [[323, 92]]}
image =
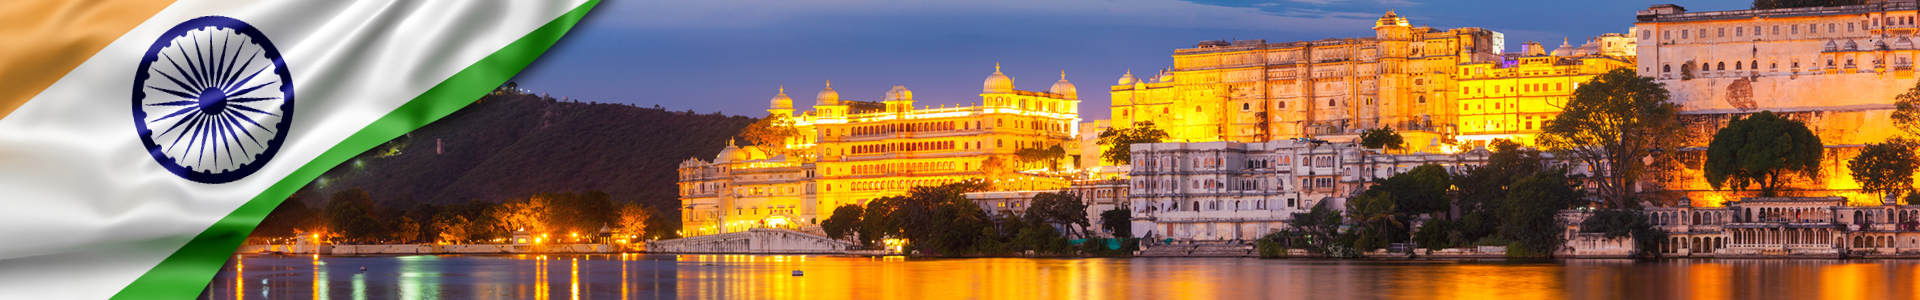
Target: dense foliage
{"points": [[775, 133], [1618, 223], [511, 145], [1762, 149], [1382, 138], [1117, 222], [1612, 122], [1885, 168], [941, 221], [1120, 141], [352, 216], [844, 223], [1529, 216], [1420, 190], [1050, 157]]}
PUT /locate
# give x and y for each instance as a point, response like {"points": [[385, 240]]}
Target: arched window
{"points": [[1666, 68], [1722, 66]]}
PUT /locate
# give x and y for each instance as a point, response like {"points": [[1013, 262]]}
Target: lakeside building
{"points": [[851, 152], [1431, 85], [1837, 68], [1766, 227], [1241, 191], [1513, 98], [1254, 91]]}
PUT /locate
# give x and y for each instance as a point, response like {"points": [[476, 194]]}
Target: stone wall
{"points": [[758, 240]]}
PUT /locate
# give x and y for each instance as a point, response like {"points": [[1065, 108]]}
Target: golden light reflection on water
{"points": [[1708, 281], [839, 277]]}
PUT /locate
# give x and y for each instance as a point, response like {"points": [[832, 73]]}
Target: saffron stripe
{"points": [[46, 39]]}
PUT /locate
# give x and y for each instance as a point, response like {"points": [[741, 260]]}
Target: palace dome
{"points": [[899, 93], [998, 82], [1128, 79], [781, 101], [1065, 88], [1564, 50], [827, 96], [730, 154]]}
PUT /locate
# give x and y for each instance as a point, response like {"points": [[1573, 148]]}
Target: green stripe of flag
{"points": [[186, 273]]}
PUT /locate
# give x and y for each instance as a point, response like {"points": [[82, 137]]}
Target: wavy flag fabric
{"points": [[141, 141]]}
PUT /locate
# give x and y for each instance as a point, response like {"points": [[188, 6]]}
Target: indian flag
{"points": [[140, 141]]}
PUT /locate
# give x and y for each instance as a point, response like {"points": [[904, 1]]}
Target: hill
{"points": [[515, 145]]}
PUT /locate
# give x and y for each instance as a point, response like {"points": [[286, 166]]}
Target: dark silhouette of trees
{"points": [[1762, 149]]}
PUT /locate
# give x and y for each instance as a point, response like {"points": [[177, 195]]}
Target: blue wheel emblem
{"points": [[212, 100]]}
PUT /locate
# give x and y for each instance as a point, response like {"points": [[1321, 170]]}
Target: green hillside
{"points": [[514, 145]]}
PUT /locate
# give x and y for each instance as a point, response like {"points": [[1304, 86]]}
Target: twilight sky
{"points": [[732, 55]]}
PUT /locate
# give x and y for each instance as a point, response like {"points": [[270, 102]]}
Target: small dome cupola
{"points": [[1565, 49], [998, 82], [1065, 88], [1128, 79], [1391, 19], [899, 93], [781, 101], [827, 96]]}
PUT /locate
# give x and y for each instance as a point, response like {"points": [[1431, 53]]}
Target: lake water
{"points": [[835, 277]]}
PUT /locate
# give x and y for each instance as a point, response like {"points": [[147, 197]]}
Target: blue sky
{"points": [[730, 56]]}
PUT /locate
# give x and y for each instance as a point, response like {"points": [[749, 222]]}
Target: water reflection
{"points": [[634, 276]]}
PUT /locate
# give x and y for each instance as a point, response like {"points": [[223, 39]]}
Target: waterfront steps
{"points": [[1199, 250]]}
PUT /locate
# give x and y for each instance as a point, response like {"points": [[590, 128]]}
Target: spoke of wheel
{"points": [[226, 145], [186, 134], [250, 120], [243, 129], [176, 125], [226, 60], [242, 68], [198, 68], [175, 114], [176, 82], [243, 107], [175, 93], [249, 78], [197, 85]]}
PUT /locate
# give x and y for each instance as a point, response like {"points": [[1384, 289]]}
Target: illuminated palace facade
{"points": [[854, 151], [1254, 91], [1430, 85], [1837, 68], [1514, 97]]}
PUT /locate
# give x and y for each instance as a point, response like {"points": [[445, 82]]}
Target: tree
{"points": [[1379, 219], [1885, 168], [1060, 208], [1612, 123], [1762, 149], [452, 227], [633, 219], [1121, 141], [404, 230], [1772, 4], [844, 223], [1316, 229], [1481, 188], [1530, 214], [1118, 221], [776, 134], [1420, 190], [1049, 155], [1906, 111], [1383, 137], [523, 214], [1617, 223], [351, 214]]}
